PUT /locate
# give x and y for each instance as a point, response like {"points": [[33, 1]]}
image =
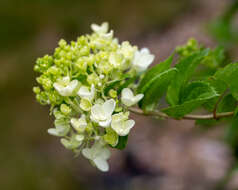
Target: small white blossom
{"points": [[128, 98], [142, 59], [59, 130], [65, 87], [121, 125], [98, 154], [84, 92], [74, 142], [100, 29], [102, 113], [79, 124]]}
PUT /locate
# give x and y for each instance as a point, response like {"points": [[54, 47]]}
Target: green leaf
{"points": [[193, 96], [229, 75], [156, 88], [227, 104], [220, 88], [186, 68], [122, 142], [152, 73]]}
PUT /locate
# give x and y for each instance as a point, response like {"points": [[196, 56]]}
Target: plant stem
{"points": [[188, 117]]}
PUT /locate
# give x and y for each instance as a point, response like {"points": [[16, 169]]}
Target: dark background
{"points": [[165, 155]]}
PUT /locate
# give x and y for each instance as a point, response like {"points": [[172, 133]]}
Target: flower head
{"points": [[82, 82]]}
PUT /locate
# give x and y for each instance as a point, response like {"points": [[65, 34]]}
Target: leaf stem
{"points": [[188, 117]]}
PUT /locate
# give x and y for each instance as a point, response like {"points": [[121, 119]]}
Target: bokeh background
{"points": [[164, 155]]}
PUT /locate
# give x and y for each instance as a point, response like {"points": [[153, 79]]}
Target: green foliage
{"points": [[157, 88], [152, 73], [186, 67], [229, 75], [155, 83], [194, 95], [216, 88]]}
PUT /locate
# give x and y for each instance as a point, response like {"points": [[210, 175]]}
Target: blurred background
{"points": [[164, 155]]}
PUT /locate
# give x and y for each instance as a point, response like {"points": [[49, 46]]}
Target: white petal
{"points": [[145, 50], [83, 92], [105, 153], [87, 153], [127, 93], [101, 164], [58, 87], [137, 98], [97, 113], [79, 138], [53, 131], [127, 101], [108, 107], [105, 123]]}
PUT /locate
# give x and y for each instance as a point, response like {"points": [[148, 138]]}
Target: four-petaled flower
{"points": [[128, 98], [121, 125], [79, 124], [102, 113], [142, 59], [98, 154], [84, 92], [65, 87]]}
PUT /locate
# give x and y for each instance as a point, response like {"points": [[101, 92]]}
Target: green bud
{"points": [[112, 93], [65, 109]]}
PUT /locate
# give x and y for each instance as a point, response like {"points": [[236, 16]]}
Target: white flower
{"points": [[121, 125], [100, 29], [85, 93], [142, 59], [74, 142], [102, 113], [98, 154], [128, 98], [59, 130], [79, 124], [65, 87]]}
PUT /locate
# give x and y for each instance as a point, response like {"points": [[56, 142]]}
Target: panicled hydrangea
{"points": [[82, 82]]}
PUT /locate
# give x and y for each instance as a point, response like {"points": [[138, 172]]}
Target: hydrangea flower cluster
{"points": [[82, 82]]}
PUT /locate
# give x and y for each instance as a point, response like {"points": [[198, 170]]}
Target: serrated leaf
{"points": [[186, 67], [122, 142], [152, 73], [229, 75], [157, 88], [194, 95]]}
